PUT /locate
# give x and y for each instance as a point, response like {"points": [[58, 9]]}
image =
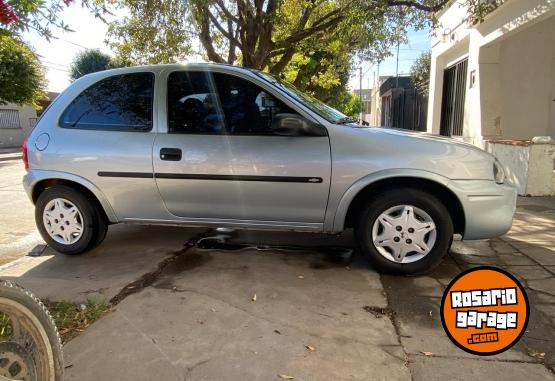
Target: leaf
{"points": [[428, 354], [254, 298], [534, 353], [286, 377], [310, 348]]}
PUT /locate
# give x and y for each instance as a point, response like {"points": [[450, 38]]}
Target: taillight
{"points": [[25, 155]]}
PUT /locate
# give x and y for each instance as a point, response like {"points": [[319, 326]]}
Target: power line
{"points": [[56, 68], [72, 43], [56, 64]]}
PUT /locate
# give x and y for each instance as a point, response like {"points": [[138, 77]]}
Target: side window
{"points": [[247, 109], [119, 103], [216, 103], [193, 104]]}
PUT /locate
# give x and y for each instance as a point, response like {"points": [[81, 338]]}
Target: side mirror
{"points": [[295, 125]]}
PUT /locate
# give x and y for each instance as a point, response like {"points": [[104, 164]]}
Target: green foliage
{"points": [[154, 32], [38, 15], [17, 16], [479, 9], [21, 77], [89, 61], [420, 73], [352, 106], [348, 103]]}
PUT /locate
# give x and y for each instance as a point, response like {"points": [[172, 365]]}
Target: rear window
{"points": [[119, 103]]}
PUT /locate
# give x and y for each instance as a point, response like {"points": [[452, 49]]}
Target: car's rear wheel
{"points": [[68, 221], [404, 231]]}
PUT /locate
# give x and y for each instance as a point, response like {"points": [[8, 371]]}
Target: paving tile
{"points": [[548, 309], [544, 285], [434, 368], [541, 255], [529, 272], [516, 259]]}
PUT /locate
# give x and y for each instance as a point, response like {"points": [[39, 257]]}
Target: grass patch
{"points": [[5, 327], [72, 319]]}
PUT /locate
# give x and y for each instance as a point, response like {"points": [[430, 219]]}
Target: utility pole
{"points": [[360, 92], [397, 65]]}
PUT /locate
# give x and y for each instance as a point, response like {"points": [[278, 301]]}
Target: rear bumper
{"points": [[27, 184], [488, 207]]}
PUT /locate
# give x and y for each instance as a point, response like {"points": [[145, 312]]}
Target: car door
{"points": [[219, 160]]}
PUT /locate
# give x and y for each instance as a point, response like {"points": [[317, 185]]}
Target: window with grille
{"points": [[9, 119]]}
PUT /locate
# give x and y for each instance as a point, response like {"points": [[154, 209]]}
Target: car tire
{"points": [[39, 340], [101, 232], [404, 231], [69, 221]]}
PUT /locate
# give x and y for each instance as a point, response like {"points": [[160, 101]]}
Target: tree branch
{"points": [[218, 26], [305, 33], [205, 36], [226, 11], [417, 5]]}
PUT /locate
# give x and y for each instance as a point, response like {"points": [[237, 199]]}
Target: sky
{"points": [[89, 32], [418, 43]]}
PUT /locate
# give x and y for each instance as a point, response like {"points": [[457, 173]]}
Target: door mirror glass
{"points": [[296, 125]]}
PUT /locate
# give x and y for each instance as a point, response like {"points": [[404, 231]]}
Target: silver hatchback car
{"points": [[223, 146]]}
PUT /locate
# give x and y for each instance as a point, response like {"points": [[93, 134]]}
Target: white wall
{"points": [[527, 78], [515, 159], [15, 137]]}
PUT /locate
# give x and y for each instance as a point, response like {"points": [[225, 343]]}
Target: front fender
{"points": [[35, 176], [336, 221]]}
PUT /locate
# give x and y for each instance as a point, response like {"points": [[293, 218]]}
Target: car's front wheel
{"points": [[404, 231], [68, 221]]}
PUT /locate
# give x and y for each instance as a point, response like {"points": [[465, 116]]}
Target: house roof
{"points": [[403, 82]]}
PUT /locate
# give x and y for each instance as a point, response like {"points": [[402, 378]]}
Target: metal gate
{"points": [[452, 102]]}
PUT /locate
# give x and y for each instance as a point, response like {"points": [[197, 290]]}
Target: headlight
{"points": [[498, 172]]}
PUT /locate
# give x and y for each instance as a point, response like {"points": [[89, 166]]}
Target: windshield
{"points": [[319, 107]]}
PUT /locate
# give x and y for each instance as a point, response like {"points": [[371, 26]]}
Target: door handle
{"points": [[170, 154]]}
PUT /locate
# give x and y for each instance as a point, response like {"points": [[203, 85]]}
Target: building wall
{"points": [[14, 137], [510, 85], [527, 82], [519, 36]]}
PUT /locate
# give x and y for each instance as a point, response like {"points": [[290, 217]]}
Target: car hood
{"points": [[422, 136], [384, 148]]}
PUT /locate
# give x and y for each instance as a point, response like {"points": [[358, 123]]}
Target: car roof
{"points": [[179, 66]]}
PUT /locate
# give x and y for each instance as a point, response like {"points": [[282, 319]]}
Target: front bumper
{"points": [[488, 207]]}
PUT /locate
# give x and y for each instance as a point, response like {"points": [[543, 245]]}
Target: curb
{"points": [[11, 157]]}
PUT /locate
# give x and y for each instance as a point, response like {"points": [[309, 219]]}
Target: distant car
{"points": [[223, 146]]}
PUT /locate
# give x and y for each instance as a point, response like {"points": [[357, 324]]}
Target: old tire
{"points": [[30, 347], [404, 231]]}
